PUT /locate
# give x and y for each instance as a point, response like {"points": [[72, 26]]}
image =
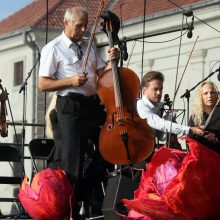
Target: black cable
{"points": [[121, 20], [47, 16], [142, 61], [175, 87], [185, 11], [158, 42], [45, 94], [151, 35]]}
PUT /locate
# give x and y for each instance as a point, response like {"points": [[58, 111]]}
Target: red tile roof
{"points": [[134, 8], [34, 14]]}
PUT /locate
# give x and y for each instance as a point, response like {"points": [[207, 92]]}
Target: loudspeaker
{"points": [[118, 187]]}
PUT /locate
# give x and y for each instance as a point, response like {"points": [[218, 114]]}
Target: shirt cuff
{"points": [[186, 130]]}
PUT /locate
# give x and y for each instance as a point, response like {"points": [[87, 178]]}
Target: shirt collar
{"points": [[149, 103], [68, 42]]}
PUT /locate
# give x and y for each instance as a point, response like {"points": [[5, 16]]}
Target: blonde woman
{"points": [[206, 97]]}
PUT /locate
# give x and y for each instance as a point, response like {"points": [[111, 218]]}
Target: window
{"points": [[18, 73]]}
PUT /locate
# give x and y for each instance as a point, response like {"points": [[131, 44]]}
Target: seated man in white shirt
{"points": [[148, 107]]}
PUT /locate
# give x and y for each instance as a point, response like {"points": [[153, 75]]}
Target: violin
{"points": [[125, 138], [3, 124], [171, 139]]}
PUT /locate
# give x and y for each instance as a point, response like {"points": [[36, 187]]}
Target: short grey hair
{"points": [[72, 13]]}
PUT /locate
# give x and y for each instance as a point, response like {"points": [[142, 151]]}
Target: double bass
{"points": [[3, 99], [125, 138]]}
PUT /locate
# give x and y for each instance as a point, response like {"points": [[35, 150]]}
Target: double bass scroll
{"points": [[125, 138]]}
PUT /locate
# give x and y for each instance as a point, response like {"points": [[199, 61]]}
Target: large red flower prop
{"points": [[48, 197], [179, 185]]}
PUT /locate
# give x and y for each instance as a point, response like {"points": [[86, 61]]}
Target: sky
{"points": [[8, 7]]}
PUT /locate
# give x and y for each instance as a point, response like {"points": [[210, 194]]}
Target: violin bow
{"points": [[181, 78], [101, 6]]}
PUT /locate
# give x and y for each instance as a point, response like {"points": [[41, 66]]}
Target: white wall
{"points": [[13, 50]]}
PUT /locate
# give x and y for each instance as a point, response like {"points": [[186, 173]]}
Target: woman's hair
{"points": [[198, 107], [72, 13], [150, 76], [52, 105]]}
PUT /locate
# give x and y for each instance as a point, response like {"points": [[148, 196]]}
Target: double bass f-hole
{"points": [[3, 99]]}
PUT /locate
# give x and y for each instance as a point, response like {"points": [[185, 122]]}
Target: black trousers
{"points": [[79, 119]]}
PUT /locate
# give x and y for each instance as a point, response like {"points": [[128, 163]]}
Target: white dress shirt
{"points": [[59, 59], [151, 113]]}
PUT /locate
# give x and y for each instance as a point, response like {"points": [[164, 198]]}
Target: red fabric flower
{"points": [[48, 197], [179, 185], [195, 191]]}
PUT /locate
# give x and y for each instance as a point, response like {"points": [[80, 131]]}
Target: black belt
{"points": [[80, 97]]}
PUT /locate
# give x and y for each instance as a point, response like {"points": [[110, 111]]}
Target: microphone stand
{"points": [[24, 89], [187, 93]]}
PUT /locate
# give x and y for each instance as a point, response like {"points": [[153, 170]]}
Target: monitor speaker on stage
{"points": [[118, 187]]}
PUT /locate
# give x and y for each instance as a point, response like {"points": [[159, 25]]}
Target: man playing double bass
{"points": [[148, 107], [78, 109]]}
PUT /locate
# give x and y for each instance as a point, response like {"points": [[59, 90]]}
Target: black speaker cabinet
{"points": [[118, 187]]}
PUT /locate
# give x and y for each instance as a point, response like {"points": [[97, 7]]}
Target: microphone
{"points": [[188, 13], [124, 47], [191, 27]]}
